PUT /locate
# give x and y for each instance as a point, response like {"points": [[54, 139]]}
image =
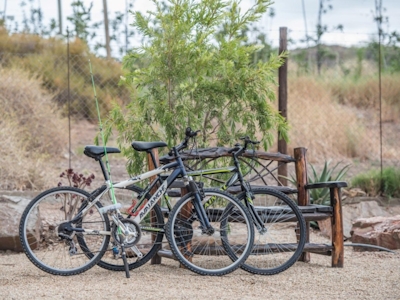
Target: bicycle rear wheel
{"points": [[39, 232], [280, 244], [152, 233], [202, 252]]}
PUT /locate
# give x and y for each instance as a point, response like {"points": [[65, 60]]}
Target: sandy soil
{"points": [[366, 275]]}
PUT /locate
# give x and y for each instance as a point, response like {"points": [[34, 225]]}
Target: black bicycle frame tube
{"points": [[249, 205], [199, 209]]}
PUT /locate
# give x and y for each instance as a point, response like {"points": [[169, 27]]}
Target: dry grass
{"points": [[48, 57], [341, 121], [330, 129], [32, 133], [364, 94]]}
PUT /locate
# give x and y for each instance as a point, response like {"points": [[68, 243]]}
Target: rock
{"points": [[363, 209], [379, 231], [351, 211], [353, 192], [325, 227], [11, 211]]}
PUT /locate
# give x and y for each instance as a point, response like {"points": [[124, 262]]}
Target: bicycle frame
{"points": [[238, 175], [178, 171]]}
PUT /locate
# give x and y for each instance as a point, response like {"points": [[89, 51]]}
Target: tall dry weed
{"points": [[32, 133]]}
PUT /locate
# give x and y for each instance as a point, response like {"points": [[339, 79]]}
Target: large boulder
{"points": [[379, 231], [362, 209], [11, 211], [353, 210]]}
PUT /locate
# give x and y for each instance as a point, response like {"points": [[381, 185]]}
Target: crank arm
{"points": [[137, 252]]}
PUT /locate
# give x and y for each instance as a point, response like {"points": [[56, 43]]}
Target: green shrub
{"points": [[375, 183]]}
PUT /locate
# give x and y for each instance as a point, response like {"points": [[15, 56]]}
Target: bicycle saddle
{"points": [[98, 151], [145, 146]]}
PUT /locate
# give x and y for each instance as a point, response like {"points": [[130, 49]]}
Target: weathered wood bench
{"points": [[266, 174]]}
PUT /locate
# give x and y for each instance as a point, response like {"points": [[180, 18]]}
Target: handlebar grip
{"points": [[188, 131]]}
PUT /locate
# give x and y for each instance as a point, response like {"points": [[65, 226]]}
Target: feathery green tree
{"points": [[194, 68]]}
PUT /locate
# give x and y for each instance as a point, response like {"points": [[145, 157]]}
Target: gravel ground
{"points": [[366, 275]]}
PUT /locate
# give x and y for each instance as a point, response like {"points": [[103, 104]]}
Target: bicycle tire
{"points": [[200, 252], [149, 243], [38, 231], [281, 246]]}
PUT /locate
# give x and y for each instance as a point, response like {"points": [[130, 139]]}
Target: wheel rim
{"points": [[40, 234]]}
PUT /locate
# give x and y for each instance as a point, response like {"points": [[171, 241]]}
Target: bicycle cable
{"points": [[102, 137]]}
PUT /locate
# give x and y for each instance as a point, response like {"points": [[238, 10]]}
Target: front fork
{"points": [[198, 207], [258, 222]]}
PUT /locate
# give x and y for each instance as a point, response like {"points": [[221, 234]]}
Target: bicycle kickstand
{"points": [[123, 254]]}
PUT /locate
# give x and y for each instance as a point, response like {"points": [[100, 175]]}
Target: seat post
{"points": [[103, 168], [153, 158]]}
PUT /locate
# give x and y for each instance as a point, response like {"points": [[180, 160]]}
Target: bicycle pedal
{"points": [[72, 249]]}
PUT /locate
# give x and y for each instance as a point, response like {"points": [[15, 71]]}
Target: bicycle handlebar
{"points": [[239, 149], [248, 141], [189, 133]]}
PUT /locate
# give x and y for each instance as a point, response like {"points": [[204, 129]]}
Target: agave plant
{"points": [[321, 196]]}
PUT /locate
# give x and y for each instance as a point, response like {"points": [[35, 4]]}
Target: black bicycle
{"points": [[280, 229]]}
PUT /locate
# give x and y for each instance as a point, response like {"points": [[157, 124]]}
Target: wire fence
{"points": [[336, 107]]}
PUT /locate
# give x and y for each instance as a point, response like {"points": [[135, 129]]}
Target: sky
{"points": [[354, 15]]}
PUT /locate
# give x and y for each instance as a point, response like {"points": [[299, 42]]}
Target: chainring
{"points": [[132, 237]]}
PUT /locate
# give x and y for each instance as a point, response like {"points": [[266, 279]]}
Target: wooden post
{"points": [[282, 145], [337, 229], [303, 198], [156, 259], [187, 211]]}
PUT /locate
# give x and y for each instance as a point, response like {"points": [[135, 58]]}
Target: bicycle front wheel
{"points": [[218, 251], [279, 239], [42, 236]]}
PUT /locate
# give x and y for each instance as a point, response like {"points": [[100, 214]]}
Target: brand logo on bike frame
{"points": [[153, 200]]}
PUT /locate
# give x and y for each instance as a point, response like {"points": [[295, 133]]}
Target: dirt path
{"points": [[367, 275]]}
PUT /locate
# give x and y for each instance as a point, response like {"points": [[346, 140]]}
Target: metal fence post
{"points": [[282, 145]]}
